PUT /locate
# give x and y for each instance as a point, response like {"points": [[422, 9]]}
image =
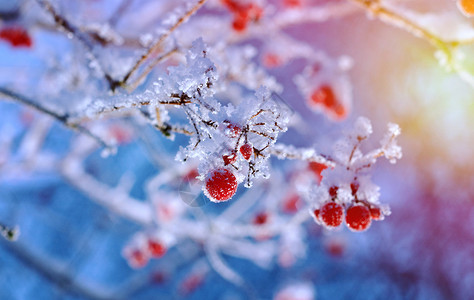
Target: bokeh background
{"points": [[70, 247]]}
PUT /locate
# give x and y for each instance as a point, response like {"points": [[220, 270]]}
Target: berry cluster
{"points": [[357, 215], [243, 13], [142, 250]]}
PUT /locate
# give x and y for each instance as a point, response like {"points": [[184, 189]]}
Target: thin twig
{"points": [[67, 26], [63, 118], [155, 46]]}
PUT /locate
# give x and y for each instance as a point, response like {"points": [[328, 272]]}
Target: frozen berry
{"points": [[156, 248], [333, 191], [246, 151], [16, 36], [332, 214], [354, 187], [376, 213], [317, 168], [221, 185], [229, 159], [358, 218], [232, 130]]}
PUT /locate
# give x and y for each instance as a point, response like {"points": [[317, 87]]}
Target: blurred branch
{"points": [[63, 118], [157, 44]]}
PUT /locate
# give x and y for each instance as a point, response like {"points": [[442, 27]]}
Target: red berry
{"points": [[333, 191], [156, 249], [291, 204], [137, 258], [239, 24], [229, 159], [191, 175], [191, 283], [335, 248], [317, 215], [354, 187], [221, 185], [271, 60], [16, 36], [332, 214], [358, 218], [324, 96], [232, 130], [376, 213], [246, 151], [292, 3], [317, 168], [260, 218]]}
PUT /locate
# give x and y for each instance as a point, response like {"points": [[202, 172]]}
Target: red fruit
{"points": [[260, 218], [292, 3], [317, 168], [317, 214], [332, 214], [354, 187], [191, 175], [16, 36], [271, 60], [191, 283], [325, 97], [229, 159], [335, 248], [120, 134], [137, 258], [239, 24], [333, 192], [221, 185], [376, 213], [358, 218], [156, 249], [246, 151], [232, 130], [291, 204]]}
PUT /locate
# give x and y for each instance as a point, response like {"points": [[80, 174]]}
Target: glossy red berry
{"points": [[246, 151], [156, 248], [332, 214], [16, 36], [221, 185], [358, 218]]}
